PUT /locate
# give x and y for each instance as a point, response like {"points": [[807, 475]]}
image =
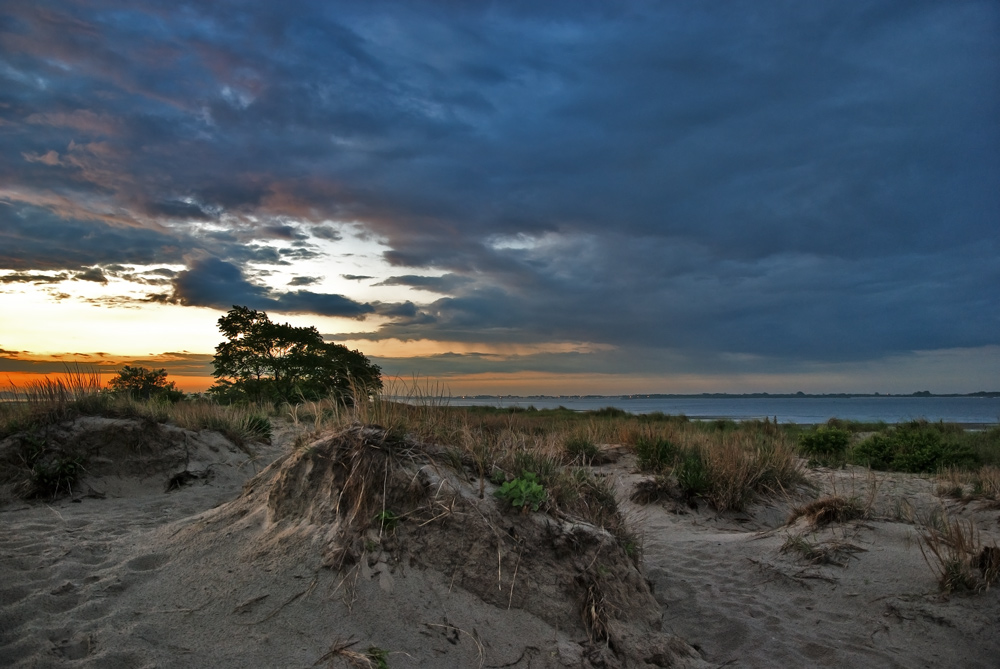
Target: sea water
{"points": [[799, 410]]}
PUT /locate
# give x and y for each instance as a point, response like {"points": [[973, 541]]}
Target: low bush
{"points": [[825, 444], [917, 447]]}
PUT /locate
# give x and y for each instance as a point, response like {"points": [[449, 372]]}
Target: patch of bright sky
{"points": [[518, 241], [86, 317], [392, 348], [357, 254]]}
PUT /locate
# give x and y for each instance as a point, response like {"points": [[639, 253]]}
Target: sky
{"points": [[510, 197]]}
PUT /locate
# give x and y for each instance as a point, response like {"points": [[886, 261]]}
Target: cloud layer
{"points": [[790, 183]]}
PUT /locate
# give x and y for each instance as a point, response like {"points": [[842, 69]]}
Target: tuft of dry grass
{"points": [[652, 490], [955, 553], [242, 425], [831, 509], [373, 658], [51, 400], [837, 553], [596, 616], [978, 484]]}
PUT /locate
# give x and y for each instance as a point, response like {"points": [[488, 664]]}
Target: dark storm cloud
{"points": [[23, 277], [326, 232], [802, 180], [440, 284], [304, 280], [282, 232], [211, 282], [33, 237], [95, 274]]}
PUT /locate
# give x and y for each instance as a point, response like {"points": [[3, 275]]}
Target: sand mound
{"points": [[389, 522], [354, 547], [113, 456]]}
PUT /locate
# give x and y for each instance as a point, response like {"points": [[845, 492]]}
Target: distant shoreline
{"points": [[690, 396]]}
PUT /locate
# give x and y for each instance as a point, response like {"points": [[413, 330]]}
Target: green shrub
{"points": [[917, 447], [655, 455], [56, 476], [825, 441], [692, 473], [522, 492], [826, 445], [877, 452]]}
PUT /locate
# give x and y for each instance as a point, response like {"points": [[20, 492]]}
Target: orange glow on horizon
{"points": [[21, 381]]}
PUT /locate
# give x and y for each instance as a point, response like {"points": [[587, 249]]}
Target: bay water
{"points": [[982, 411]]}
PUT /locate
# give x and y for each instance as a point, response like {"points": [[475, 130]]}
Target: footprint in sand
{"points": [[148, 562], [75, 647]]}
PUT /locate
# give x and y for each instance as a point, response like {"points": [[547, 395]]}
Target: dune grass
{"points": [[728, 465], [81, 392], [38, 465], [956, 553]]}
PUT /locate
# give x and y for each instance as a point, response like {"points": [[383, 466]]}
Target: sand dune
{"points": [[247, 565]]}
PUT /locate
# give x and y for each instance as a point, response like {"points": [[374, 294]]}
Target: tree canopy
{"points": [[262, 360], [143, 383]]}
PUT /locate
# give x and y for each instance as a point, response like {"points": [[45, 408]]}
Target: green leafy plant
{"points": [[379, 657], [523, 491], [387, 520]]}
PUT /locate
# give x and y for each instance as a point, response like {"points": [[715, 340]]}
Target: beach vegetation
{"points": [[837, 552], [142, 383], [826, 445], [982, 483], [523, 492], [954, 551], [917, 447], [655, 455], [581, 448], [379, 657], [277, 362], [831, 509], [387, 520]]}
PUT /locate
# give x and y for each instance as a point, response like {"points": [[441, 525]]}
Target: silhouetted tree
{"points": [[143, 383], [275, 361]]}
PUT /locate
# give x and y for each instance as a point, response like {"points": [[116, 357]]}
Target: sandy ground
{"points": [[726, 587], [127, 575]]}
